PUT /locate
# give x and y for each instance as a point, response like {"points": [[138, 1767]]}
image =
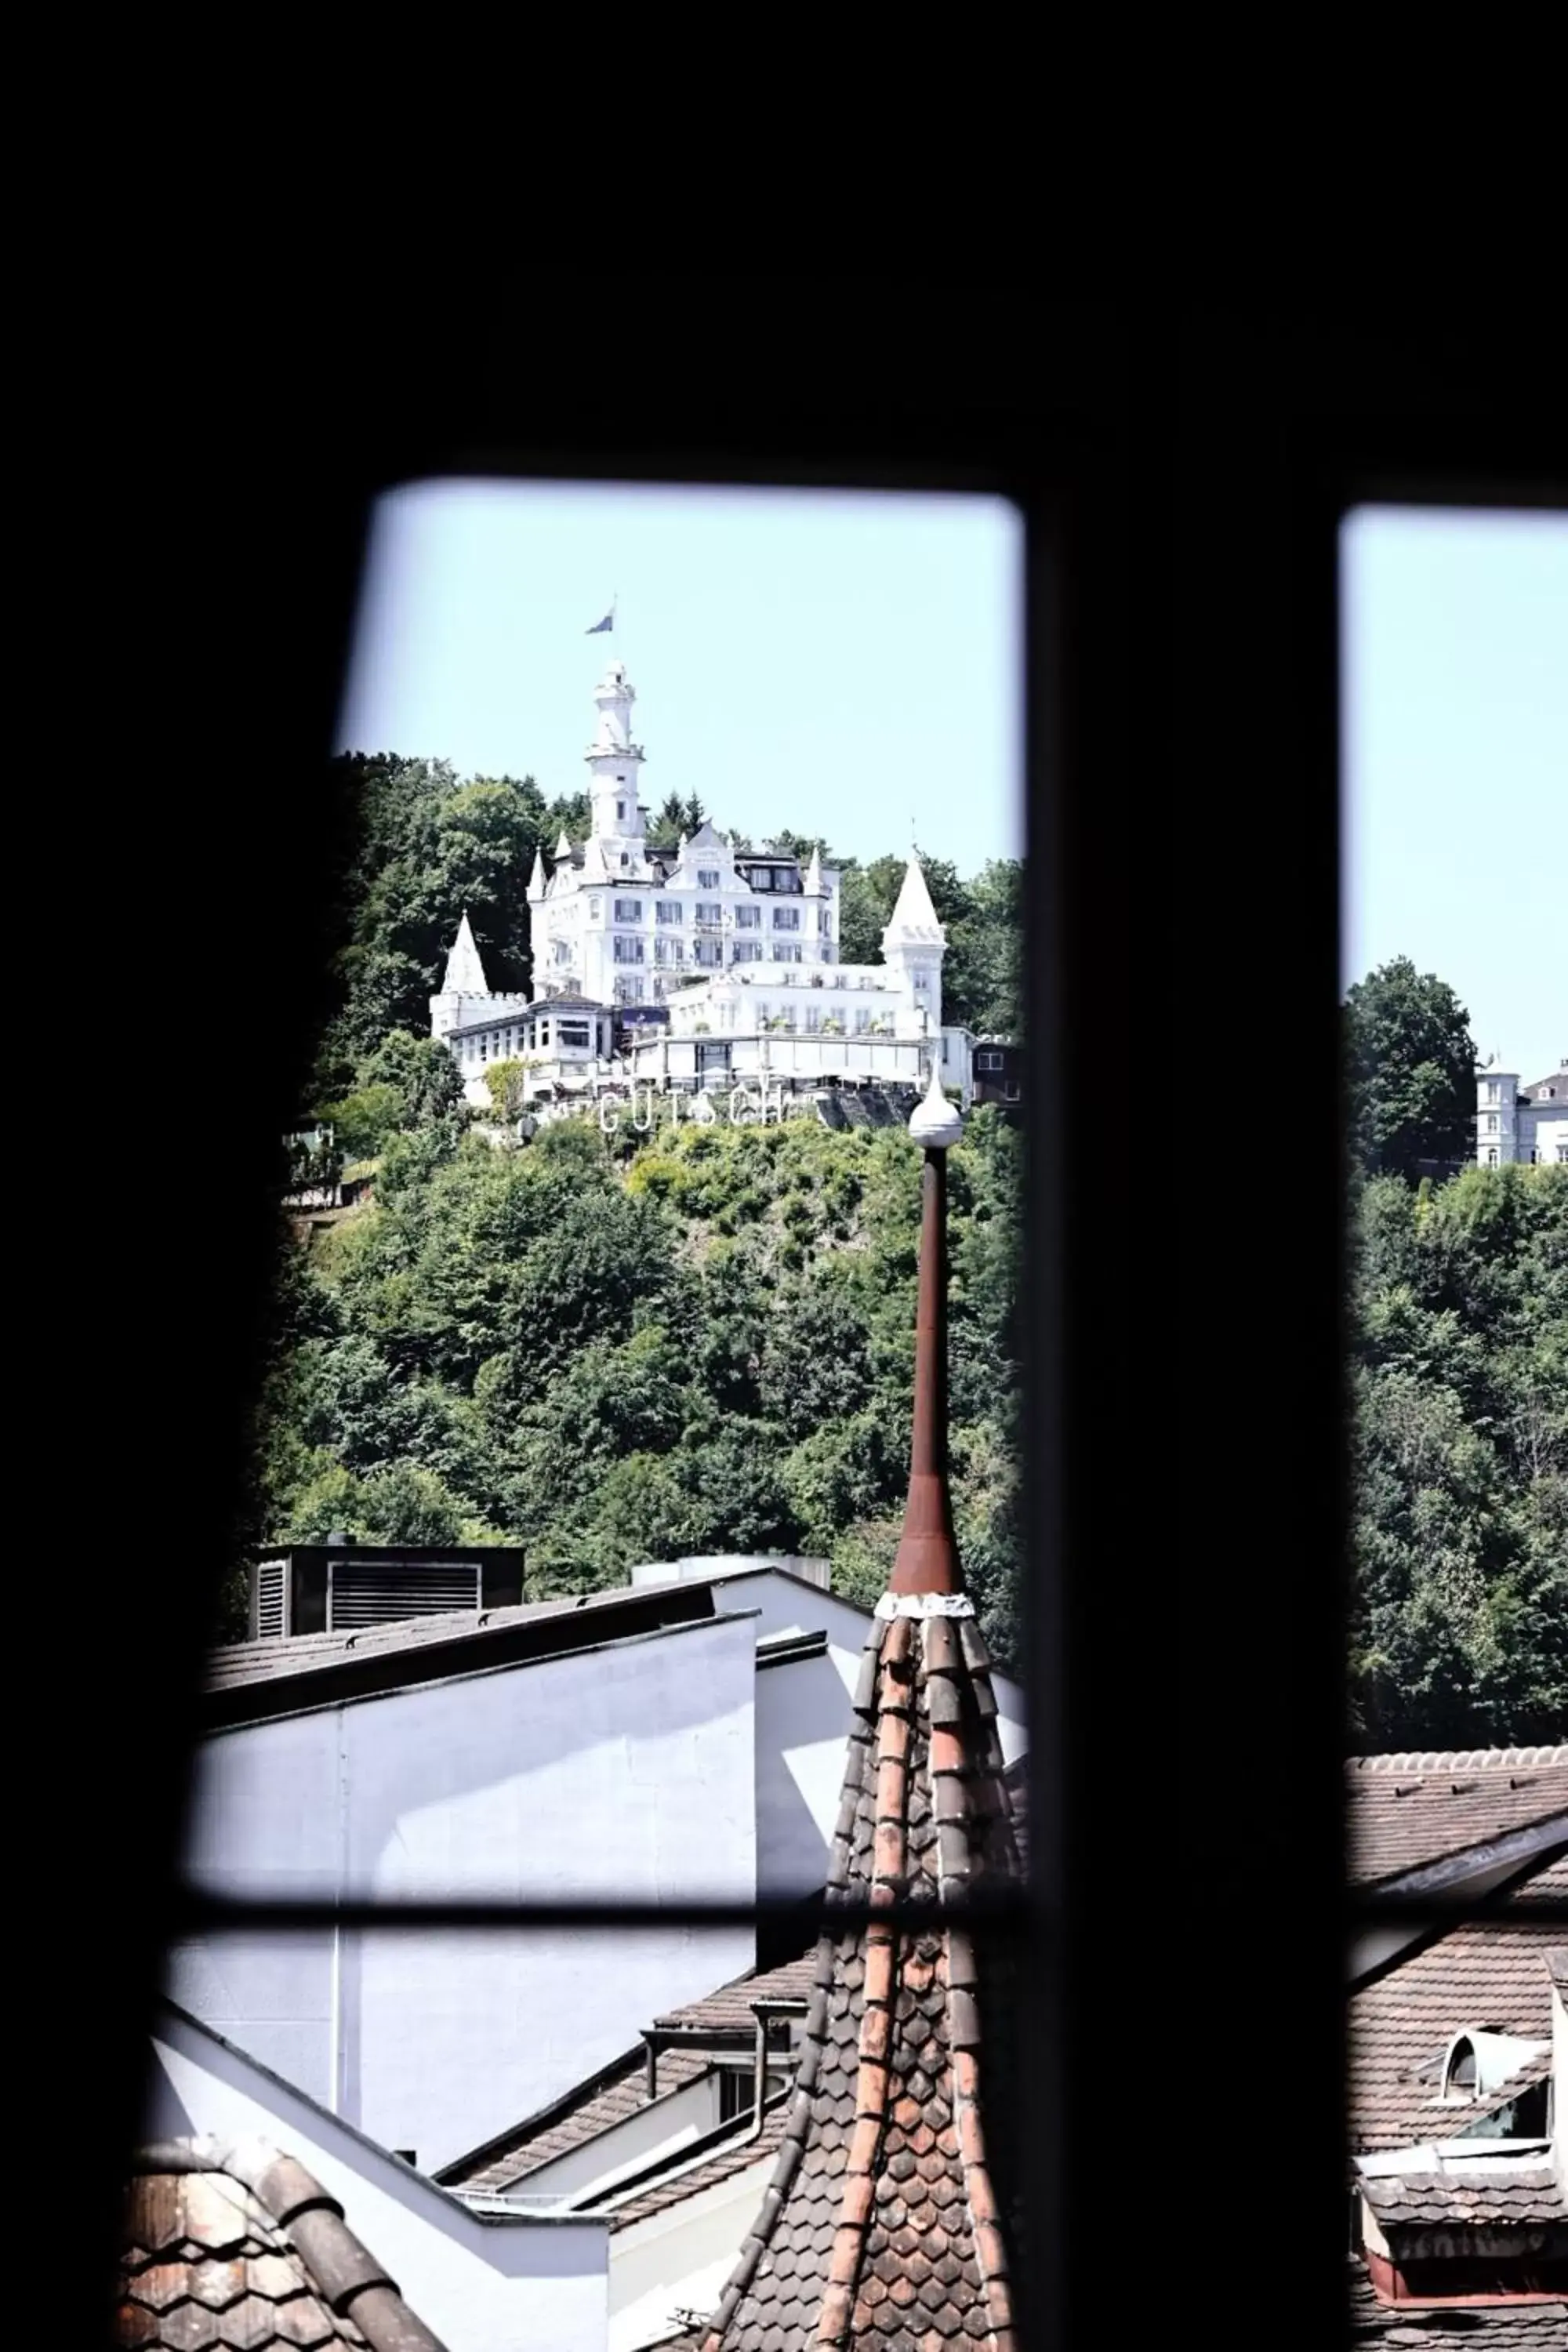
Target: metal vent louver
{"points": [[369, 1593], [272, 1594]]}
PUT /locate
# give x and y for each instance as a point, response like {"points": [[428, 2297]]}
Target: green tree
{"points": [[1410, 1070]]}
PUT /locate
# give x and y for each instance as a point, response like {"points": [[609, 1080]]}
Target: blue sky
{"points": [[1455, 762], [843, 665], [851, 667]]}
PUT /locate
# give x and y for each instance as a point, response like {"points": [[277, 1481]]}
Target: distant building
{"points": [[1523, 1124], [1458, 2079], [998, 1066], [699, 963]]}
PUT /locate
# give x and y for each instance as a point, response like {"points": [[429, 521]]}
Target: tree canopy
{"points": [[617, 1350], [1410, 1071], [1459, 1382]]}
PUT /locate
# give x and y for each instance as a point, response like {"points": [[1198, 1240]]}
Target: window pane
{"points": [[586, 1457], [1456, 749]]}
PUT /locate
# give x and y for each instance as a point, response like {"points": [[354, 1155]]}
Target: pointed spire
{"points": [[927, 1560], [536, 879], [464, 966], [900, 2159], [563, 847], [814, 876], [913, 916]]}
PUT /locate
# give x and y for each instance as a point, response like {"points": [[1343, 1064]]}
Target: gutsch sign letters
{"points": [[737, 1106]]}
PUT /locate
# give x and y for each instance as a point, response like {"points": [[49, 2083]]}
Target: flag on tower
{"points": [[599, 626]]}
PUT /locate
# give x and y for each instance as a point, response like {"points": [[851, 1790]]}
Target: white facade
{"points": [[741, 947], [687, 1762], [488, 2281], [1527, 1125], [803, 1713], [624, 1770]]}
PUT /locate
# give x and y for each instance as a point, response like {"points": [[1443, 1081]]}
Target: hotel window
{"points": [[670, 910], [593, 910], [573, 1032], [620, 809], [628, 911], [825, 921], [748, 918], [709, 912], [563, 951], [629, 952], [709, 951], [1491, 1122], [747, 951], [862, 1019], [787, 918], [784, 953], [668, 952], [988, 1061], [1491, 1157], [706, 879]]}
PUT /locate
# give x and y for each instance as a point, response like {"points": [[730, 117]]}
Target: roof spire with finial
{"points": [[536, 879], [891, 2217]]}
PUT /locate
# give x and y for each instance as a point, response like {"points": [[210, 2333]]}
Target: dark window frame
{"points": [[1183, 491]]}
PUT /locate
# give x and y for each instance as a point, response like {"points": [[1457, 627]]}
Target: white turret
{"points": [[913, 945], [562, 848], [814, 876], [615, 760], [536, 879], [465, 994], [464, 965]]}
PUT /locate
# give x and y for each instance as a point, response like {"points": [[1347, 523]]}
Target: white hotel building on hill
{"points": [[727, 960], [1521, 1123]]}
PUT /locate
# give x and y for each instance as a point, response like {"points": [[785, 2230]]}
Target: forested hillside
{"points": [[615, 1350], [1460, 1380], [626, 1349]]}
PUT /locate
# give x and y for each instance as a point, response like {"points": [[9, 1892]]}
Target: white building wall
{"points": [[626, 1770], [803, 1720], [481, 2285], [680, 2259]]}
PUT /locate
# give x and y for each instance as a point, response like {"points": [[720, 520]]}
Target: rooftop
{"points": [[1406, 1812], [248, 1679], [242, 2246], [620, 2090], [1482, 1974], [1505, 2327]]}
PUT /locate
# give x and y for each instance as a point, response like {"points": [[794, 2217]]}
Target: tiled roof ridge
{"points": [[344, 2270], [1461, 1759], [926, 1715]]}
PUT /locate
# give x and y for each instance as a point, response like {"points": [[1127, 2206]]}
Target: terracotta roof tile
{"points": [[1524, 2198], [1483, 1974], [241, 2246], [888, 2218], [594, 2108], [1499, 2327], [1407, 1812], [730, 2008], [690, 2180]]}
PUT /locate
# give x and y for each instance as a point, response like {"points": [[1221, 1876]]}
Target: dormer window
{"points": [[620, 812]]}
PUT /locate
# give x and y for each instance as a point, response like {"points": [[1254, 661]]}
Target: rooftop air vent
{"points": [[341, 1586]]}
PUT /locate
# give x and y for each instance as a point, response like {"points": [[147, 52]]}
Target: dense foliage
{"points": [[1459, 1390], [625, 1349], [1411, 1072]]}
